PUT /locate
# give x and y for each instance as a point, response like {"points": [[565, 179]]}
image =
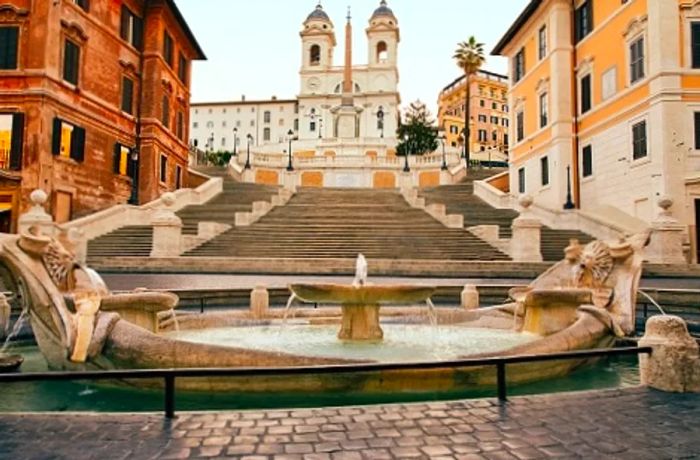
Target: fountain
{"points": [[9, 363], [585, 301]]}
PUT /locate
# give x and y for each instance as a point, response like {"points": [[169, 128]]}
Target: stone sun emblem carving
{"points": [[60, 264], [591, 265]]}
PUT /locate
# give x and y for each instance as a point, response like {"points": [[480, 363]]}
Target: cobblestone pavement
{"points": [[634, 423]]}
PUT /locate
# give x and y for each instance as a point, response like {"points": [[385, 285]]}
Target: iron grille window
{"points": [[639, 140], [9, 37]]}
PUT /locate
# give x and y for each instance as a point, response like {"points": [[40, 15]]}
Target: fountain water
{"points": [[16, 329]]}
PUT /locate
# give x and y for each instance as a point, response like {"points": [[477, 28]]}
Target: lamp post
{"points": [[290, 167], [380, 121], [443, 137], [134, 198], [407, 151], [569, 202], [235, 141], [249, 138], [320, 128]]}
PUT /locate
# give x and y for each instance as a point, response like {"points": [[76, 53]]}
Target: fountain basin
{"points": [[10, 363]]}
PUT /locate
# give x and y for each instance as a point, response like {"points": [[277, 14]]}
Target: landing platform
{"points": [[635, 423]]}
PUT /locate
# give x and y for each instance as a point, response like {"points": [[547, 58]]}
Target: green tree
{"points": [[470, 57], [219, 158], [417, 134]]}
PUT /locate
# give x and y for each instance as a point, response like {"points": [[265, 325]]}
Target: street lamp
{"points": [[134, 198], [249, 138], [290, 167], [320, 127], [407, 151], [569, 202], [380, 121], [235, 141], [443, 137]]}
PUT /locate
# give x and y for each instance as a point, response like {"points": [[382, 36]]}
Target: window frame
{"points": [[66, 76], [131, 28], [18, 35], [542, 42], [587, 161], [163, 169], [544, 171], [168, 48], [520, 125], [521, 181], [16, 146], [127, 105], [77, 141], [543, 103], [519, 65], [637, 142], [638, 65], [583, 108], [583, 29]]}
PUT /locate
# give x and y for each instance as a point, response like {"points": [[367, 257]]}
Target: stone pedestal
{"points": [[259, 302], [674, 364], [470, 297], [360, 322], [36, 217], [667, 236], [525, 242], [167, 230]]}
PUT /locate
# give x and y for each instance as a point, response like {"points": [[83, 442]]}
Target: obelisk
{"points": [[347, 115]]}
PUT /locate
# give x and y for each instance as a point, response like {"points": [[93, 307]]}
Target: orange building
{"points": [[93, 95], [488, 111], [607, 91]]}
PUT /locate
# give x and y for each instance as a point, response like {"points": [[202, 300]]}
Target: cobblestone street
{"points": [[633, 423]]}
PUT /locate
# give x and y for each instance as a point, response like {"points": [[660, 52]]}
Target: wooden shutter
{"points": [[695, 44], [117, 158], [8, 47], [585, 94], [17, 141], [56, 137], [71, 62], [77, 147], [124, 23], [127, 95], [130, 167], [138, 33]]}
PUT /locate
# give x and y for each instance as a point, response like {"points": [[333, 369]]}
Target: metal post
{"points": [[569, 202], [169, 397], [290, 166], [444, 158], [501, 381], [235, 141], [247, 158]]}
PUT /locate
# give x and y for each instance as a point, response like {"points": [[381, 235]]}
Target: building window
{"points": [[494, 120], [544, 168], [182, 68], [266, 134], [123, 165], [71, 62], [609, 83], [312, 126], [519, 66], [166, 112], [542, 45], [639, 140], [195, 125], [587, 161], [482, 103], [163, 170], [482, 118], [521, 180], [520, 126], [252, 123], [178, 177], [267, 116], [637, 60], [180, 126], [296, 124], [210, 124], [315, 55], [586, 94], [131, 28], [695, 44], [238, 123], [482, 135], [454, 129], [697, 130], [68, 140], [128, 95], [11, 140], [9, 40], [168, 48], [223, 142], [505, 122], [583, 20], [544, 116], [84, 4], [494, 136]]}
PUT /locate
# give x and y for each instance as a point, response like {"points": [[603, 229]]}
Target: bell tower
{"points": [[317, 41], [383, 37]]}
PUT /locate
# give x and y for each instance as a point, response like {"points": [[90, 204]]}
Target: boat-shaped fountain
{"points": [[582, 302]]}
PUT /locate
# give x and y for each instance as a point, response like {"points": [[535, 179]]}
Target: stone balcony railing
{"points": [[269, 160]]}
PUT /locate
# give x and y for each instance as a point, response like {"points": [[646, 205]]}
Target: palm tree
{"points": [[470, 57]]}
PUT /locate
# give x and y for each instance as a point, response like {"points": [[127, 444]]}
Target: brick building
{"points": [[94, 95]]}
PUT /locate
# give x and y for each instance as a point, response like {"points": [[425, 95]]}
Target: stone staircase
{"points": [[136, 241], [340, 223], [460, 199]]}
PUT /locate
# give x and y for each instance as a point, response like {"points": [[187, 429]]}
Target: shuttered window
{"points": [[639, 140], [68, 140], [182, 68], [163, 168], [583, 19], [637, 60], [123, 164], [520, 126], [131, 28], [519, 66], [695, 44], [71, 62], [180, 126], [9, 38], [544, 168], [586, 94], [521, 180], [11, 140], [166, 112], [168, 48], [697, 130], [587, 161], [128, 95], [84, 4]]}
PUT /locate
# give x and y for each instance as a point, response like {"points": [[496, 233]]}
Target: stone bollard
{"points": [[167, 230], [674, 364], [666, 243], [259, 302], [470, 297], [37, 216], [525, 243]]}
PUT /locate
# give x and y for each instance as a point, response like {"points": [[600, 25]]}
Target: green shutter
{"points": [[77, 148], [137, 40], [56, 137], [17, 141], [117, 157]]}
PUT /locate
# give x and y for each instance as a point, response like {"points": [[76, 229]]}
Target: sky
{"points": [[253, 46]]}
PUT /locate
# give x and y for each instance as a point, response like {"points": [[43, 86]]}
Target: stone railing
{"points": [[436, 211], [277, 161], [261, 208]]}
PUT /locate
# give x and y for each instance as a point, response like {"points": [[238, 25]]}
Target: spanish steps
{"points": [[337, 223], [460, 199]]}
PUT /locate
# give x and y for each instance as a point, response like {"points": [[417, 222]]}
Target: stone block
{"points": [[454, 221], [470, 297], [167, 230], [243, 219], [259, 302], [674, 364]]}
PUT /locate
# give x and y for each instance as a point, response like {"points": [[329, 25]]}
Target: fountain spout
{"points": [[360, 271]]}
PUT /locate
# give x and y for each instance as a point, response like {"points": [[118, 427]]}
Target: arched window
{"points": [[382, 52], [315, 55]]}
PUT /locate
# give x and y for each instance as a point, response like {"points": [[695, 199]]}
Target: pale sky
{"points": [[253, 46]]}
